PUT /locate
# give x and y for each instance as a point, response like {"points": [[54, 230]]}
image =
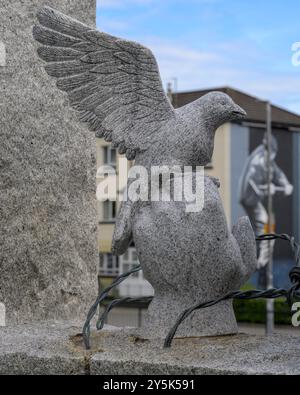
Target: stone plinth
{"points": [[56, 348], [47, 159]]}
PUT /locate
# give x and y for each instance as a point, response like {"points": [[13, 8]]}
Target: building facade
{"points": [[111, 266]]}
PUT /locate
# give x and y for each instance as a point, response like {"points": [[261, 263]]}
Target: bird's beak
{"points": [[238, 112]]}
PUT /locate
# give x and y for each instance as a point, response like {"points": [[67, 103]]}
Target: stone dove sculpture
{"points": [[187, 257]]}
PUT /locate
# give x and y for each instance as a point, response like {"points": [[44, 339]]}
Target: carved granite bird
{"points": [[116, 87]]}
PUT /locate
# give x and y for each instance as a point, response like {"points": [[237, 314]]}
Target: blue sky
{"points": [[209, 43]]}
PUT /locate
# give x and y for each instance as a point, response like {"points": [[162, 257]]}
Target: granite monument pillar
{"points": [[48, 255]]}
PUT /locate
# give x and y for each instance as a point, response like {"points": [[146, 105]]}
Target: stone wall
{"points": [[48, 255]]}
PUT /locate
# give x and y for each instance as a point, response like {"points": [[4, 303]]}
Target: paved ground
{"points": [[259, 329]]}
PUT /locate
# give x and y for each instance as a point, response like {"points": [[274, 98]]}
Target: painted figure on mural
{"points": [[254, 190]]}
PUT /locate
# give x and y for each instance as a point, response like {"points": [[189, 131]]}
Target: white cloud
{"points": [[113, 25], [195, 69], [181, 54], [240, 63], [119, 4]]}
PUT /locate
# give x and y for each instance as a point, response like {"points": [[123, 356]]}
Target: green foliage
{"points": [[254, 311]]}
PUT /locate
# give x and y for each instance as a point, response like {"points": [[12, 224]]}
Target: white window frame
{"points": [[128, 262], [110, 217], [107, 151], [135, 285], [107, 260]]}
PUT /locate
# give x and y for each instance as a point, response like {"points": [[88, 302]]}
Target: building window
{"points": [[109, 265], [128, 261], [109, 155], [109, 210], [136, 284]]}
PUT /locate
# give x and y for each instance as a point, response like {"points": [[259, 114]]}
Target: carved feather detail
{"points": [[113, 83]]}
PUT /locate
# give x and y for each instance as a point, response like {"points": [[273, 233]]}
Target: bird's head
{"points": [[219, 108], [203, 117]]}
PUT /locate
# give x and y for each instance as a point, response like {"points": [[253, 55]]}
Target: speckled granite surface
{"points": [[48, 206], [56, 348]]}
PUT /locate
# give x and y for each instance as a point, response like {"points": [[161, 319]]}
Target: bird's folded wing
{"points": [[113, 83]]}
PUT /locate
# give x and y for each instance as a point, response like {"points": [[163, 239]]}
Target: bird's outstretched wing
{"points": [[113, 83]]}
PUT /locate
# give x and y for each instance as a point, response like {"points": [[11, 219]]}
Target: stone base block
{"points": [[56, 348]]}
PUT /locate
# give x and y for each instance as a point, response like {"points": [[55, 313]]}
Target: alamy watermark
{"points": [[160, 183], [296, 315], [2, 54], [296, 54]]}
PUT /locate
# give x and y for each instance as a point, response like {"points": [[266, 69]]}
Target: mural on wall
{"points": [[253, 192]]}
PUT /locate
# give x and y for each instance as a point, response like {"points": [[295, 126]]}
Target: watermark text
{"points": [[296, 315], [158, 184], [296, 54]]}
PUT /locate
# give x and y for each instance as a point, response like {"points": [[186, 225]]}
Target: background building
{"points": [[110, 265]]}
